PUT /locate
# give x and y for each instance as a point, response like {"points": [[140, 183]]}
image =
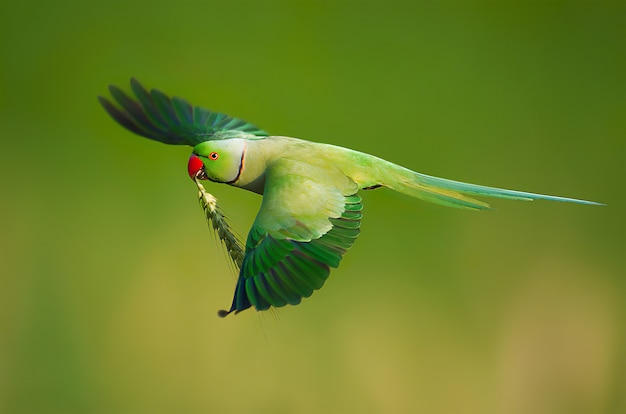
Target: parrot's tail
{"points": [[458, 194]]}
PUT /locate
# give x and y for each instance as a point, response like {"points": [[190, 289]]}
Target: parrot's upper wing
{"points": [[303, 228], [154, 115]]}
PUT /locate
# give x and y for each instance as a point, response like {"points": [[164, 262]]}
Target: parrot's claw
{"points": [[222, 313]]}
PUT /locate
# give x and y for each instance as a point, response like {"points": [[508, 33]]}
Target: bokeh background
{"points": [[110, 280]]}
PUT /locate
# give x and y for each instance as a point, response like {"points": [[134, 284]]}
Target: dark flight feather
{"points": [[277, 272], [154, 115]]}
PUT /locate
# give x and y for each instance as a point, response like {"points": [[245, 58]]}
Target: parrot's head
{"points": [[218, 160]]}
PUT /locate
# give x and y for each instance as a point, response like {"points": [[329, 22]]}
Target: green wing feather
{"points": [[302, 230], [154, 115], [280, 271]]}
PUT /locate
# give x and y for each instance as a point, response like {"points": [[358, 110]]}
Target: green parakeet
{"points": [[311, 210]]}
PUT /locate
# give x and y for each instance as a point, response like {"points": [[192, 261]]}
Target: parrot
{"points": [[311, 210]]}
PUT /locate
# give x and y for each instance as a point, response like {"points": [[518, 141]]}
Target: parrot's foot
{"points": [[222, 313]]}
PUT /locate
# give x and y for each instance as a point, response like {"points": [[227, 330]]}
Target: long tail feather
{"points": [[458, 194], [481, 190]]}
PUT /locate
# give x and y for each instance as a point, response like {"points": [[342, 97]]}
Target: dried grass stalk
{"points": [[217, 220]]}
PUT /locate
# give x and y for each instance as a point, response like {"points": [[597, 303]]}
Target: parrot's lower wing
{"points": [[302, 230]]}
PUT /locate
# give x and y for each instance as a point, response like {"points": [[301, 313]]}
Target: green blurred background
{"points": [[110, 279]]}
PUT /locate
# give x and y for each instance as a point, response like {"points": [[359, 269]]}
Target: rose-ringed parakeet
{"points": [[311, 211]]}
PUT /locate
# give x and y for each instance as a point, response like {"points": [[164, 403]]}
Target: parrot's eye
{"points": [[213, 156]]}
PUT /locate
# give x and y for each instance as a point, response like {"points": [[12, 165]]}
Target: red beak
{"points": [[194, 166]]}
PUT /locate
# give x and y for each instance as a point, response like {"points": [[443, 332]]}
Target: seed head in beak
{"points": [[195, 168]]}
